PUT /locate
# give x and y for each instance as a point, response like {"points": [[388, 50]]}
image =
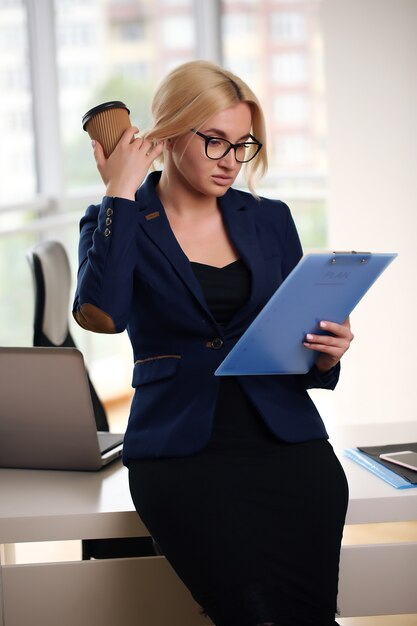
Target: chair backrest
{"points": [[52, 284], [51, 275]]}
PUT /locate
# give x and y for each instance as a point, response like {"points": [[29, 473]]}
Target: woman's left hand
{"points": [[331, 347]]}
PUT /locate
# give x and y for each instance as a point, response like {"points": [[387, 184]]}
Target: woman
{"points": [[234, 477]]}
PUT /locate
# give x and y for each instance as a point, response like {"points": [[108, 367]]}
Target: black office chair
{"points": [[52, 285]]}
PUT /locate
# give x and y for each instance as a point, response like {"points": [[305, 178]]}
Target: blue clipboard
{"points": [[322, 286]]}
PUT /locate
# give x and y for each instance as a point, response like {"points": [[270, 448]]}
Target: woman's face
{"points": [[191, 167]]}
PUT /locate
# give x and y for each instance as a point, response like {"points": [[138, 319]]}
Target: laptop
{"points": [[46, 412]]}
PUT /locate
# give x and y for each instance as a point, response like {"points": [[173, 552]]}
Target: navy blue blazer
{"points": [[134, 275]]}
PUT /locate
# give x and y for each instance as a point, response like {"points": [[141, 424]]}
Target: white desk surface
{"points": [[371, 500], [40, 505]]}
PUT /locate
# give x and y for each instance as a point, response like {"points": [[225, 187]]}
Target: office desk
{"points": [[376, 579], [46, 506]]}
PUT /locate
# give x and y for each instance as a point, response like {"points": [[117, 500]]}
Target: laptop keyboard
{"points": [[108, 441]]}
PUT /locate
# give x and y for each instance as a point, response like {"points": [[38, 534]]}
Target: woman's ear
{"points": [[169, 144]]}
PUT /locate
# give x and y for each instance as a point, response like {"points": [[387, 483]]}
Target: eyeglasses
{"points": [[217, 148]]}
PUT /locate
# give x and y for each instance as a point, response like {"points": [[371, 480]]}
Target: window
{"points": [[178, 32], [281, 59], [131, 31], [134, 71], [288, 27], [119, 61], [78, 54], [17, 162], [290, 68], [302, 3], [293, 149], [75, 34], [244, 66], [176, 3], [291, 109], [241, 25], [248, 3]]}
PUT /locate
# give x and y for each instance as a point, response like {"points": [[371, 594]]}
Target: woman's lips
{"points": [[222, 180]]}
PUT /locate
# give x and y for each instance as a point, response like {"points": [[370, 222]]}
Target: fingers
{"points": [[336, 343], [331, 347], [98, 153], [148, 147], [126, 167], [128, 135], [125, 139], [153, 149], [337, 331]]}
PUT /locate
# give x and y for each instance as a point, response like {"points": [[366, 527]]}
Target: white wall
{"points": [[371, 75]]}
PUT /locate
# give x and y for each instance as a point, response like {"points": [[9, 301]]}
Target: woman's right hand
{"points": [[126, 167]]}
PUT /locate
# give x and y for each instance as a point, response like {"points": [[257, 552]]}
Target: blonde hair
{"points": [[192, 93]]}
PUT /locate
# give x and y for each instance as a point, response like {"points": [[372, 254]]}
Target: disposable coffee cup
{"points": [[106, 123]]}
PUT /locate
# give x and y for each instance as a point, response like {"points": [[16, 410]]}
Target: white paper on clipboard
{"points": [[322, 286]]}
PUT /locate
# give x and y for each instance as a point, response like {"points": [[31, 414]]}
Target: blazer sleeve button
{"points": [[216, 343], [107, 232]]}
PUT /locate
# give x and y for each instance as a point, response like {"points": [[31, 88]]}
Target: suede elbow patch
{"points": [[90, 317]]}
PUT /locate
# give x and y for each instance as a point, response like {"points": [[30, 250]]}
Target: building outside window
{"points": [[282, 61]]}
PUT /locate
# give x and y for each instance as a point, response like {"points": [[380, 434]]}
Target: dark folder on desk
{"points": [[395, 475], [323, 286], [374, 452], [46, 412]]}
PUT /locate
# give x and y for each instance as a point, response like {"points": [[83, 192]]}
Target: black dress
{"points": [[251, 524]]}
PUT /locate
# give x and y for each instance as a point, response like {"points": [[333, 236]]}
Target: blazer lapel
{"points": [[156, 225], [239, 215]]}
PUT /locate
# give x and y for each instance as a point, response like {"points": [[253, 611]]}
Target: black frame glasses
{"points": [[254, 145]]}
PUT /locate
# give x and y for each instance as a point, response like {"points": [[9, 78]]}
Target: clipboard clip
{"points": [[354, 252]]}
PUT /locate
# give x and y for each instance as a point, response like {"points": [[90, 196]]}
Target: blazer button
{"points": [[107, 232], [108, 221], [109, 212], [217, 343]]}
